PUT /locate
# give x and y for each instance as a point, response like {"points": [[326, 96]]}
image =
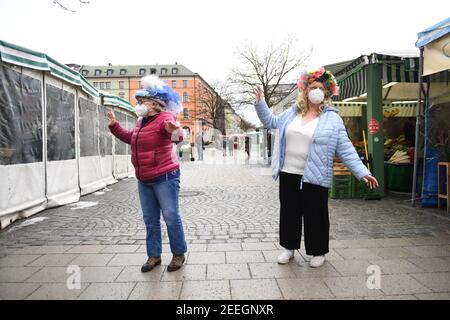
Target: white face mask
{"points": [[316, 96], [141, 110]]}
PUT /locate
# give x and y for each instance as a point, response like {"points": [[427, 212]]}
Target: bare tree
{"points": [[64, 7], [211, 101], [267, 69]]}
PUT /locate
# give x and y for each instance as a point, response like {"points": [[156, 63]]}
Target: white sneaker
{"points": [[317, 261], [285, 256]]}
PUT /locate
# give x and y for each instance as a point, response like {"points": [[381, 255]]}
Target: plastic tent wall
{"points": [[55, 145], [434, 44]]}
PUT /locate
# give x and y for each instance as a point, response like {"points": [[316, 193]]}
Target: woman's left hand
{"points": [[170, 126], [369, 178]]}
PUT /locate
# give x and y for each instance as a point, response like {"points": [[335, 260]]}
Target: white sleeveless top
{"points": [[298, 141]]}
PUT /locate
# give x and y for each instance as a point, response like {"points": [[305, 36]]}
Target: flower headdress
{"points": [[156, 89], [320, 75]]}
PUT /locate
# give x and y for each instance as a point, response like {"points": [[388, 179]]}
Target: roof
{"points": [[21, 56], [135, 70], [432, 33]]}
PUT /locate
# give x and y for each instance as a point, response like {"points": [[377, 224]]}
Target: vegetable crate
{"points": [[341, 186], [359, 188]]}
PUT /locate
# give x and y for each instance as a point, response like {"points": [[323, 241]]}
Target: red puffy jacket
{"points": [[152, 151]]}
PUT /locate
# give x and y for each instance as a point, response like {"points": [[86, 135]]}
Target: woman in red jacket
{"points": [[156, 166]]}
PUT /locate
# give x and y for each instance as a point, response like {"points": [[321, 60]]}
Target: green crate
{"points": [[341, 187], [359, 189]]}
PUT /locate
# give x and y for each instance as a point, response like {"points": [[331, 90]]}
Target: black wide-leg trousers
{"points": [[310, 205]]}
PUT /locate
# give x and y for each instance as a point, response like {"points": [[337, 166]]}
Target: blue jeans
{"points": [[161, 195]]}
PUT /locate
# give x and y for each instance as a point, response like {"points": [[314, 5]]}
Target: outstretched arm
{"points": [[117, 130], [264, 114]]}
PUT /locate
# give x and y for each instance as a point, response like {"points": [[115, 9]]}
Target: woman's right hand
{"points": [[111, 118], [258, 94]]}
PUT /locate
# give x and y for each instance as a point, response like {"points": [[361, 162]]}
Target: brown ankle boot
{"points": [[150, 264], [176, 263]]}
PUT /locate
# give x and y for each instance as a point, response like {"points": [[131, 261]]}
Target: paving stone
{"points": [[17, 274], [100, 274], [206, 290], [401, 284], [255, 289], [432, 264], [134, 274], [93, 260], [206, 258], [357, 254], [225, 247], [227, 271], [128, 259], [299, 289], [53, 260], [120, 249], [86, 249], [18, 260], [107, 291], [244, 256], [429, 251], [187, 272], [270, 270], [56, 291], [438, 282], [433, 296], [355, 286], [51, 275], [156, 291], [17, 291]]}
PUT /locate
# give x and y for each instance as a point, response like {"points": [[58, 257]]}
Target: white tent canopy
{"points": [[54, 141]]}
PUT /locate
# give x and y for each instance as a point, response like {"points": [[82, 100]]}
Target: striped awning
{"points": [[21, 56], [354, 109], [112, 100], [352, 79]]}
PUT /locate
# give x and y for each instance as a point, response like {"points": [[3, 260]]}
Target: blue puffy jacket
{"points": [[329, 139]]}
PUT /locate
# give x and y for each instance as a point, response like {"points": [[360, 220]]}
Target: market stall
{"points": [[54, 144], [434, 46]]}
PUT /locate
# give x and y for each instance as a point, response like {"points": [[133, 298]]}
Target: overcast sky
{"points": [[205, 35]]}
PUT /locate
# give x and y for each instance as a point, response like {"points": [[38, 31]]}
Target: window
{"points": [[102, 85], [98, 72], [123, 72], [85, 72], [163, 71], [185, 97], [184, 83], [121, 84], [174, 83], [96, 84], [185, 114], [174, 70], [140, 85], [141, 71], [108, 85], [152, 71], [109, 72], [122, 95]]}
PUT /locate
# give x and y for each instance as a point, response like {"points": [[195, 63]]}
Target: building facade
{"points": [[125, 80]]}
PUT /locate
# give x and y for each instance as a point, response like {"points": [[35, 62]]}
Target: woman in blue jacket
{"points": [[310, 134]]}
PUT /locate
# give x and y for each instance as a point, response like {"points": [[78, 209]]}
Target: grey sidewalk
{"points": [[230, 209]]}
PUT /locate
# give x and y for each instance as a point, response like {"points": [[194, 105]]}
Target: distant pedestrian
{"points": [[230, 146], [247, 146], [311, 133], [224, 145], [156, 166], [200, 145]]}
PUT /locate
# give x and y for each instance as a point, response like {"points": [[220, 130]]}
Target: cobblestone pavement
{"points": [[230, 211]]}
